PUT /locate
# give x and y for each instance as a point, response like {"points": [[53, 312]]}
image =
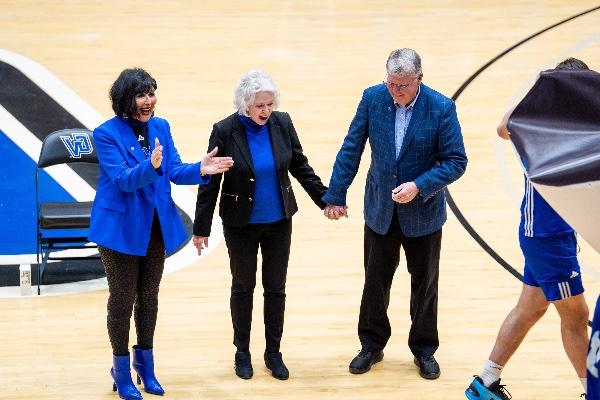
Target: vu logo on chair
{"points": [[77, 144]]}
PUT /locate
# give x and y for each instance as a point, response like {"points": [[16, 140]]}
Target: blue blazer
{"points": [[130, 189], [432, 156]]}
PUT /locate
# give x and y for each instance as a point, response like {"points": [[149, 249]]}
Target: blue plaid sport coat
{"points": [[432, 155]]}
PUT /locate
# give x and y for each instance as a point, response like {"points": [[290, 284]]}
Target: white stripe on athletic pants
{"points": [[528, 211], [565, 290]]}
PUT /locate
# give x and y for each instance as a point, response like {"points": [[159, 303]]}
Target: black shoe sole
{"points": [[243, 376], [362, 371], [425, 376], [281, 378]]}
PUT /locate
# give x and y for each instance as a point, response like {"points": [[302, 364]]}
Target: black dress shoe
{"points": [[364, 360], [243, 364], [428, 367], [274, 362]]}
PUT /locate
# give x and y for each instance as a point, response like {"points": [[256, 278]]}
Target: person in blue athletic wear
{"points": [[593, 359], [552, 275]]}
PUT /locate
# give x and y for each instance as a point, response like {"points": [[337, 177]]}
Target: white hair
{"points": [[252, 82], [404, 61]]}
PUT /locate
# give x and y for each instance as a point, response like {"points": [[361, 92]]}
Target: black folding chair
{"points": [[66, 146]]}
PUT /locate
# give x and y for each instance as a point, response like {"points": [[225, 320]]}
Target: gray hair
{"points": [[404, 61], [252, 82]]}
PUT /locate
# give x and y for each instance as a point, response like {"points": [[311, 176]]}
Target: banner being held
{"points": [[556, 131]]}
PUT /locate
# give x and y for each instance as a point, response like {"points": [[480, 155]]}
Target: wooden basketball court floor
{"points": [[322, 54]]}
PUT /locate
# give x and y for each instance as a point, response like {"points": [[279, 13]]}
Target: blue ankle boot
{"points": [[143, 364], [121, 374]]}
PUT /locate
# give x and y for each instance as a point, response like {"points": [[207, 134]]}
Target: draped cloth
{"points": [[556, 132]]}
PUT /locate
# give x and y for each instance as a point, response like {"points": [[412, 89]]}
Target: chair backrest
{"points": [[68, 146]]}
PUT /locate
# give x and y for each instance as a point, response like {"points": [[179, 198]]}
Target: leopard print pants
{"points": [[134, 281]]}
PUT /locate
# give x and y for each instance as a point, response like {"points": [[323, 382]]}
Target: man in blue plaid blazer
{"points": [[416, 151]]}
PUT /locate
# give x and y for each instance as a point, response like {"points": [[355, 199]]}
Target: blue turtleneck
{"points": [[268, 202]]}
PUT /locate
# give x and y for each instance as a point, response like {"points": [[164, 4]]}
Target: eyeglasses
{"points": [[395, 86]]}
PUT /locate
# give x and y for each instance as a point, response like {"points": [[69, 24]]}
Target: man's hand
{"points": [[405, 192], [502, 128], [215, 165], [335, 212], [200, 242]]}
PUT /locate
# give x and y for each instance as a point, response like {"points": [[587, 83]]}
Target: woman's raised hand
{"points": [[211, 165], [156, 157]]}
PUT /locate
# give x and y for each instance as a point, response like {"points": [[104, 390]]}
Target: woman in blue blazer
{"points": [[134, 220]]}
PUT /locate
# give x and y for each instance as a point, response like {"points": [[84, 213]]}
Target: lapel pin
{"points": [[132, 148]]}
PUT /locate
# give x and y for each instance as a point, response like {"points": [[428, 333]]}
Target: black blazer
{"points": [[238, 184]]}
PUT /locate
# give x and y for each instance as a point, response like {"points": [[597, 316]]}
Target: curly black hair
{"points": [[130, 82]]}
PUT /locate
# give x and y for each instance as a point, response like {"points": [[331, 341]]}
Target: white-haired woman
{"points": [[256, 206]]}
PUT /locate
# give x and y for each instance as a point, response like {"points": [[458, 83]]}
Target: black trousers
{"points": [[381, 258], [274, 241], [133, 280]]}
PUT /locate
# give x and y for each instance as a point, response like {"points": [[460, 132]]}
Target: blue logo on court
{"points": [[77, 144]]}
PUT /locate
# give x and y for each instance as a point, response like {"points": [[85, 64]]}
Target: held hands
{"points": [[335, 212], [405, 192], [156, 157], [200, 242], [214, 165]]}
